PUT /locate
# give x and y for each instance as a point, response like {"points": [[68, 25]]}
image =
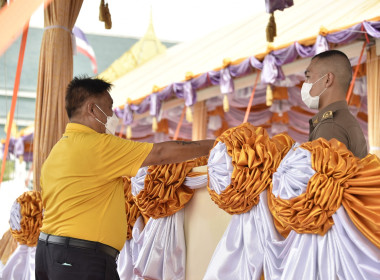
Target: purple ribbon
{"points": [[226, 82], [127, 115], [274, 5], [185, 91], [155, 105]]}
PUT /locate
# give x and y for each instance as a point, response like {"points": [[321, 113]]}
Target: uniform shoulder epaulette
{"points": [[327, 115]]}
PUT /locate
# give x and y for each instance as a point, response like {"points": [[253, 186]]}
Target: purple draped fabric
{"points": [[271, 71], [372, 28], [274, 5], [127, 116], [185, 91], [243, 68], [345, 36], [255, 63], [226, 82], [155, 105], [200, 81], [271, 66], [320, 45]]}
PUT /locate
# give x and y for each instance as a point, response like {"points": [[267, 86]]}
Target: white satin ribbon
{"points": [[196, 182], [15, 217], [138, 181], [219, 168], [21, 264], [159, 250]]}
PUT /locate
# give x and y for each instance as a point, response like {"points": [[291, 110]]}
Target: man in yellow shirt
{"points": [[84, 225]]}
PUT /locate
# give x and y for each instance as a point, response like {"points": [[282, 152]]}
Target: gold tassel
{"points": [[189, 115], [269, 99], [104, 15], [189, 75], [271, 30], [102, 11], [129, 132], [154, 124], [21, 158], [226, 105], [108, 21]]}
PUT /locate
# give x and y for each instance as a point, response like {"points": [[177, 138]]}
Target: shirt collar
{"points": [[76, 127], [338, 105]]}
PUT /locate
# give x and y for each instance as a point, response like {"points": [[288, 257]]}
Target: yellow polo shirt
{"points": [[82, 185]]}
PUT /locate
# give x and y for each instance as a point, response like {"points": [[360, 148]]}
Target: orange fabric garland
{"points": [[31, 221], [254, 157], [164, 193]]}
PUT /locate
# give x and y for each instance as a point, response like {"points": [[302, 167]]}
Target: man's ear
{"points": [[90, 108], [330, 79]]}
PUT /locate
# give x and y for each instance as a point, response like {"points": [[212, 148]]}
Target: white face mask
{"points": [[111, 123], [311, 101]]}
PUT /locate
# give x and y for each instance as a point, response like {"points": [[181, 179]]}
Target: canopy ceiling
{"points": [[242, 39]]}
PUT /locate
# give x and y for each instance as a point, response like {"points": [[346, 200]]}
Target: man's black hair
{"points": [[81, 88]]}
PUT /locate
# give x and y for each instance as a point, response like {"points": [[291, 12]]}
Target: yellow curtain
{"points": [[7, 246], [373, 93], [55, 72]]}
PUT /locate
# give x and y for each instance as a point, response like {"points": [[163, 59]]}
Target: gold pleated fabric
{"points": [[31, 218], [133, 212], [7, 246], [254, 157], [361, 199], [340, 179], [164, 193], [311, 211], [54, 73]]}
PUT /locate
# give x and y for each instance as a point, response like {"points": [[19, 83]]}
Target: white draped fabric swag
{"points": [[251, 245], [21, 264]]}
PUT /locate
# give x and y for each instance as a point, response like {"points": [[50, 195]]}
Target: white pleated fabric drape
{"points": [[219, 168], [251, 245], [158, 250], [21, 264]]}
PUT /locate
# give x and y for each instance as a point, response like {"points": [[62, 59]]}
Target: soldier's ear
{"points": [[330, 79]]}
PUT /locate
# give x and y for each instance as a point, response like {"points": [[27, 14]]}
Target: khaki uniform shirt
{"points": [[336, 121]]}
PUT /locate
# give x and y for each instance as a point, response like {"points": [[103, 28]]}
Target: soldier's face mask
{"points": [[111, 123], [311, 101]]}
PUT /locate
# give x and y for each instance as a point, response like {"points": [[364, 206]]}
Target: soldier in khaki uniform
{"points": [[327, 80]]}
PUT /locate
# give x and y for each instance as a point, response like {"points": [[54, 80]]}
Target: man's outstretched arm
{"points": [[177, 151]]}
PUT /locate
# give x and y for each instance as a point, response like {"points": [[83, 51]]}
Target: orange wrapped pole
{"points": [[14, 98], [251, 99], [14, 17], [349, 93], [179, 124]]}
